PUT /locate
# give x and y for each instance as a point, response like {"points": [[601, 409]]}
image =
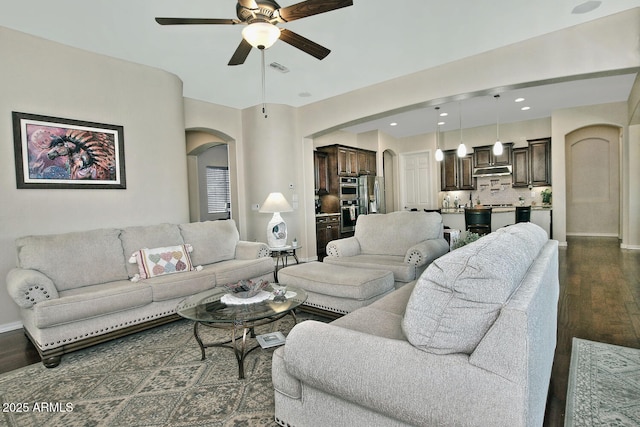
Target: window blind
{"points": [[218, 191]]}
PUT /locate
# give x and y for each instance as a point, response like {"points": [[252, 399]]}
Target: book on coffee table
{"points": [[271, 339]]}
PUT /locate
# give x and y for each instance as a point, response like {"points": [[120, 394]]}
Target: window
{"points": [[218, 192]]}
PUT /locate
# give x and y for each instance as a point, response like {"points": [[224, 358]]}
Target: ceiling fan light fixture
{"points": [[261, 35]]}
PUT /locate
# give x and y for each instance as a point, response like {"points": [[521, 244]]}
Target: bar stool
{"points": [[523, 214], [478, 220]]}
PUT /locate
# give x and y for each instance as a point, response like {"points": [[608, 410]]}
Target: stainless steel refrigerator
{"points": [[370, 195]]}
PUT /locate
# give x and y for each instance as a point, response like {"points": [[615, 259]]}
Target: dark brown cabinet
{"points": [[540, 162], [532, 164], [520, 176], [366, 162], [347, 162], [321, 171], [456, 173], [484, 157], [327, 229]]}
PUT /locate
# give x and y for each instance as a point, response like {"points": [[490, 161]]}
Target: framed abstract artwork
{"points": [[52, 152]]}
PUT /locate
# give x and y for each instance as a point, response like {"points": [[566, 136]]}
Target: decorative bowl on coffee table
{"points": [[246, 288]]}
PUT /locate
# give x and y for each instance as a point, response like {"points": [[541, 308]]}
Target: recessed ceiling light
{"points": [[585, 7], [444, 114], [441, 123], [393, 124], [304, 94], [519, 99], [525, 108]]}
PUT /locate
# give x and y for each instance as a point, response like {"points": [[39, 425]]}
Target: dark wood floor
{"points": [[599, 301]]}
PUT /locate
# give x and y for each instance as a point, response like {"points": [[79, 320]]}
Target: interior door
{"points": [[415, 189], [593, 181]]}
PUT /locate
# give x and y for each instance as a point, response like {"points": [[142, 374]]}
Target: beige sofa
{"points": [[78, 289], [470, 344], [402, 242]]}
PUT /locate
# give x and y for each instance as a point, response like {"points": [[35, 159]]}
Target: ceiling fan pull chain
{"points": [[264, 103]]}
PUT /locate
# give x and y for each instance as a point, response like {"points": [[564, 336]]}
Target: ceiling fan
{"points": [[261, 17]]}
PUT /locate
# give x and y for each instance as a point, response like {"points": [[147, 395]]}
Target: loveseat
{"points": [[471, 343], [82, 288], [402, 242]]}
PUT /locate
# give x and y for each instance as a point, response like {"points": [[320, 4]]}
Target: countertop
{"points": [[497, 210], [326, 214]]}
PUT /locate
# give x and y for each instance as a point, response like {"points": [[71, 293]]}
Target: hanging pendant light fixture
{"points": [[497, 147], [439, 153], [462, 149]]}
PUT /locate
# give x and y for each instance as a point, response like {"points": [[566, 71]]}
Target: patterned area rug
{"points": [[604, 385], [153, 378]]}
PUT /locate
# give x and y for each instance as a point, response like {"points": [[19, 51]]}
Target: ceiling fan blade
{"points": [[311, 7], [241, 53], [248, 4], [196, 21], [304, 44]]}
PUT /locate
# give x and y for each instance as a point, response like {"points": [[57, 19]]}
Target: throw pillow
{"points": [[159, 261]]}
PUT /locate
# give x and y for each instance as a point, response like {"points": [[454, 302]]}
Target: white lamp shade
{"points": [[275, 202], [439, 155], [261, 34], [497, 148], [462, 150]]}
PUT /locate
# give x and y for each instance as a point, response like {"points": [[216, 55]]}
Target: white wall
{"points": [[46, 78]]}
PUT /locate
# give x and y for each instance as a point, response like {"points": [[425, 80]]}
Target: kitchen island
{"points": [[500, 217]]}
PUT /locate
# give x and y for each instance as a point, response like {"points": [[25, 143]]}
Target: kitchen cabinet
{"points": [[321, 172], [456, 173], [520, 176], [347, 162], [532, 164], [327, 229], [483, 156], [540, 162], [366, 162]]}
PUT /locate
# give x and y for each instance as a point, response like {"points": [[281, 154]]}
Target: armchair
{"points": [[404, 243]]}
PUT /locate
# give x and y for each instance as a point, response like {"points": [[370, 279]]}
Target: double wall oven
{"points": [[348, 204]]}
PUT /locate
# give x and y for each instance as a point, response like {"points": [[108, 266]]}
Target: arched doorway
{"points": [[593, 181], [212, 176], [388, 171]]}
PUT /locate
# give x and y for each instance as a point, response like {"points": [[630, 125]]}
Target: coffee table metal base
{"points": [[239, 346]]}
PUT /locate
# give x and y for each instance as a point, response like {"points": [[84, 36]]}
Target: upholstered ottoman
{"points": [[336, 288]]}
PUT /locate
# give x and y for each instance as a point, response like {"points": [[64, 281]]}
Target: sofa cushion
{"points": [[148, 236], [167, 287], [212, 241], [91, 301], [159, 261], [235, 270], [460, 295], [394, 233], [75, 259]]}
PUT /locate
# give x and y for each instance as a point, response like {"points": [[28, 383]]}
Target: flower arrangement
{"points": [[546, 195], [466, 238]]}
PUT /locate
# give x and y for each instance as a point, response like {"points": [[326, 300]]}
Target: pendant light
{"points": [[497, 147], [462, 149], [439, 153]]}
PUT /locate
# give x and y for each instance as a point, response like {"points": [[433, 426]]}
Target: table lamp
{"points": [[276, 229]]}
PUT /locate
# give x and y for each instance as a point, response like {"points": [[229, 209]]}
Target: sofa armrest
{"points": [[29, 287], [393, 377], [251, 250], [425, 252], [343, 247]]}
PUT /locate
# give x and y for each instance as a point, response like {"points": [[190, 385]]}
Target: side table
{"points": [[281, 255]]}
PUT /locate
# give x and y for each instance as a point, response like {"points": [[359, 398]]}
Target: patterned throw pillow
{"points": [[159, 261]]}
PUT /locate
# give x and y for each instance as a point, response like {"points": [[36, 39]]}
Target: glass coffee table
{"points": [[206, 309]]}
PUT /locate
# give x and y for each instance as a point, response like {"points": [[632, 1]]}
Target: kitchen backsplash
{"points": [[495, 191]]}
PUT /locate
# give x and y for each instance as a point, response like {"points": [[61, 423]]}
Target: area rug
{"points": [[153, 378], [604, 385]]}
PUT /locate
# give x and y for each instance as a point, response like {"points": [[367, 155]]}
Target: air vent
{"points": [[279, 67]]}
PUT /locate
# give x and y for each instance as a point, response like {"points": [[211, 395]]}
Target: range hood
{"points": [[492, 171]]}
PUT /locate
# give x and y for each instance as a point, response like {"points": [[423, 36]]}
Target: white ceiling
{"points": [[371, 42]]}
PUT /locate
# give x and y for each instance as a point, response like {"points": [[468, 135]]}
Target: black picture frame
{"points": [[59, 153]]}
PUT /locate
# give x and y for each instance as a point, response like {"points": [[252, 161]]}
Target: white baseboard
{"points": [[593, 234], [631, 247], [7, 327]]}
